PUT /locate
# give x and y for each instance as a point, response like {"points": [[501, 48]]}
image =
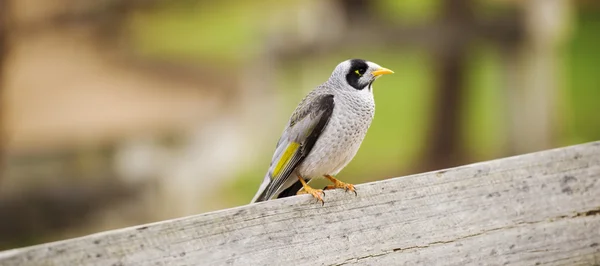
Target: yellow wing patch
{"points": [[285, 158]]}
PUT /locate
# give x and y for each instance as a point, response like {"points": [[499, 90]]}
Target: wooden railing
{"points": [[540, 208]]}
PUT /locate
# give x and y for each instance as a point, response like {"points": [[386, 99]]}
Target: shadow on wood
{"points": [[537, 208]]}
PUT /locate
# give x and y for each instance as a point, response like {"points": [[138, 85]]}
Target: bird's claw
{"points": [[342, 185], [316, 193]]}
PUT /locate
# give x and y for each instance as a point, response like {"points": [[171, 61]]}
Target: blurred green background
{"points": [[117, 113]]}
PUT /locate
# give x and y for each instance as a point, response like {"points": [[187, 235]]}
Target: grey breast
{"points": [[341, 139]]}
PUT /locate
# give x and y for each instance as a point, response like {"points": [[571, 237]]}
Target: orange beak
{"points": [[382, 71]]}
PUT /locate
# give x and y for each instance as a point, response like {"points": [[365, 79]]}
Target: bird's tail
{"points": [[261, 193]]}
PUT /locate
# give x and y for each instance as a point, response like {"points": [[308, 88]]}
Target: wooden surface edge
{"points": [[590, 216]]}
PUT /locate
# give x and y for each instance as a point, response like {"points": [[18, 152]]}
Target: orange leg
{"points": [[339, 184], [306, 189]]}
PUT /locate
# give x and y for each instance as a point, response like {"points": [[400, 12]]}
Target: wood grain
{"points": [[535, 209]]}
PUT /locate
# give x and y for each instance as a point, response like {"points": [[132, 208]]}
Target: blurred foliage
{"points": [[408, 11], [483, 134], [582, 92], [217, 32]]}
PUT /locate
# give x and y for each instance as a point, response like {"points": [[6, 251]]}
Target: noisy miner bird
{"points": [[324, 133]]}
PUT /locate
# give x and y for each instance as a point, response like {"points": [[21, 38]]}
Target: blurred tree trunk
{"points": [[3, 54], [357, 11], [532, 98], [444, 149]]}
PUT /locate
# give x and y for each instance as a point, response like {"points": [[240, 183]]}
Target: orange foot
{"points": [[340, 184], [306, 189]]}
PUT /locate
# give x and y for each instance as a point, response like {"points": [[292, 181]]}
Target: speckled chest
{"points": [[342, 137]]}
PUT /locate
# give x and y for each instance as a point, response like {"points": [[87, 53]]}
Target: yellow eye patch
{"points": [[357, 73]]}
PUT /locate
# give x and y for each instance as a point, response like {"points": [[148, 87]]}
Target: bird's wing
{"points": [[306, 124]]}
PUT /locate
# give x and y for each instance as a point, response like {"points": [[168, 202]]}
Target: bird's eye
{"points": [[360, 72]]}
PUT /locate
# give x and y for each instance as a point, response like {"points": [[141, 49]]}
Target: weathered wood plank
{"points": [[536, 208]]}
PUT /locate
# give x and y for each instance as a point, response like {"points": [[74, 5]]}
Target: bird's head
{"points": [[358, 73]]}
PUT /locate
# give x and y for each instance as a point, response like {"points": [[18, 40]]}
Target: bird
{"points": [[323, 133]]}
